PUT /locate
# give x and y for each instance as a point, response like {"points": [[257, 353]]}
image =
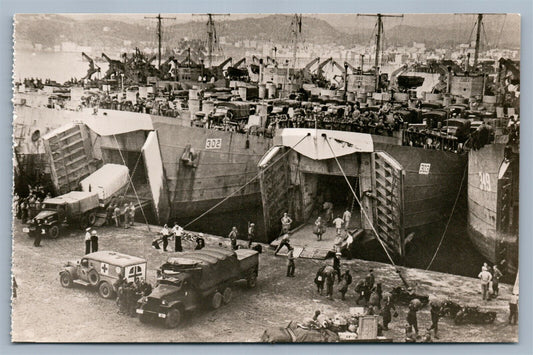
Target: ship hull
{"points": [[199, 168], [493, 205], [401, 189]]}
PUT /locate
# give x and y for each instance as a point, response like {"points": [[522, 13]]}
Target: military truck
{"points": [[194, 278], [81, 207], [101, 269]]}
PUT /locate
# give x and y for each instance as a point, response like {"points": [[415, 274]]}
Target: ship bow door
{"points": [[274, 181], [156, 177], [388, 202]]}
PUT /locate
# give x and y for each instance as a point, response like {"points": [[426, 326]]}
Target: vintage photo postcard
{"points": [[280, 178]]}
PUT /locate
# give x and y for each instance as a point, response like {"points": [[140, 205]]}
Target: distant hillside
{"points": [[109, 31]]}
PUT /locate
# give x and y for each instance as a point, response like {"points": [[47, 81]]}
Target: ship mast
{"points": [[478, 36], [159, 19], [296, 28], [211, 36], [379, 25]]}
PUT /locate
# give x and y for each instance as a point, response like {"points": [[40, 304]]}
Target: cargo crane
{"points": [[116, 67], [93, 68]]}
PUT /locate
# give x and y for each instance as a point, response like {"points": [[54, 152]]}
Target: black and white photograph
{"points": [[266, 178]]}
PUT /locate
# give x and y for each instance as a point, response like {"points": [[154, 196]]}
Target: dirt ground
{"points": [[46, 312]]}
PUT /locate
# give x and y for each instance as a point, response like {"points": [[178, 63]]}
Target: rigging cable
{"points": [[449, 219], [358, 201], [246, 184], [501, 31]]}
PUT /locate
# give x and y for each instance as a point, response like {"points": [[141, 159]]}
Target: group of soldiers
{"points": [[128, 293], [177, 233], [350, 117], [120, 217], [26, 208]]}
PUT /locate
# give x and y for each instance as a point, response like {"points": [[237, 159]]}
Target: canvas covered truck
{"points": [[194, 278], [101, 270], [80, 207]]}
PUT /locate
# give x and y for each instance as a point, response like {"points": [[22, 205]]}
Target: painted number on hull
{"points": [[424, 168], [213, 143], [484, 181]]}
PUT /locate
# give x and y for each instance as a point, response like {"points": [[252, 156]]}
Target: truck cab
{"points": [[101, 270]]}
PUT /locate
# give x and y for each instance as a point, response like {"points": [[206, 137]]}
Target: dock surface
{"points": [[276, 301]]}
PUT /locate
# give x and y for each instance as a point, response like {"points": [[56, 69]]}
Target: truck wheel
{"points": [[91, 218], [93, 277], [173, 318], [84, 222], [53, 232], [65, 279], [216, 301], [251, 282], [226, 296], [106, 290]]}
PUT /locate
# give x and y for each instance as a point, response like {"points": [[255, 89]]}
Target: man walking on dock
{"points": [[165, 233], [290, 262], [251, 234], [496, 275], [285, 241], [347, 216], [338, 222], [485, 278], [233, 237]]}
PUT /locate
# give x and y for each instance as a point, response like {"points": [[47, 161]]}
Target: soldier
{"points": [[165, 233], [338, 222], [485, 278], [330, 279], [285, 241], [116, 216], [24, 211], [320, 279], [109, 214], [496, 275], [125, 214], [94, 241], [39, 231], [286, 222], [200, 242], [337, 265], [370, 279], [132, 213], [177, 231], [386, 311], [87, 240], [290, 262], [233, 237], [145, 288], [319, 228], [346, 281], [347, 216], [411, 316], [251, 234], [436, 313]]}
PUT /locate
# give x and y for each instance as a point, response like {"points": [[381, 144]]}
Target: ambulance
{"points": [[101, 270]]}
